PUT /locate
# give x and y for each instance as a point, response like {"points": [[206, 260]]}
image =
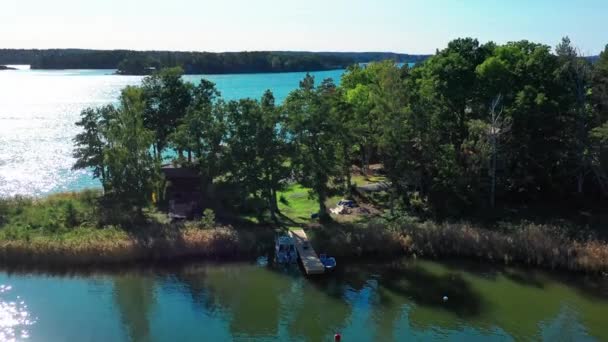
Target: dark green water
{"points": [[398, 301]]}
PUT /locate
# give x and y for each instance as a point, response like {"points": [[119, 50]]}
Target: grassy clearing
{"points": [[360, 180], [297, 204]]}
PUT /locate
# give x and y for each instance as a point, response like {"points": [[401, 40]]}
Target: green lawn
{"points": [[360, 180], [297, 204]]}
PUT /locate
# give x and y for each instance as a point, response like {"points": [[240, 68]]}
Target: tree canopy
{"points": [[474, 127]]}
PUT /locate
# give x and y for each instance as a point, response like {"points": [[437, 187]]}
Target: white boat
{"points": [[285, 250]]}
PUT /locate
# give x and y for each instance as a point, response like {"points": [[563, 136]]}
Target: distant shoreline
{"points": [[129, 62]]}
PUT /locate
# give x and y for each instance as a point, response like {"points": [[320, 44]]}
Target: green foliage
{"points": [[116, 145], [131, 169], [91, 142], [314, 136], [135, 64], [600, 85], [257, 148], [474, 125], [19, 216], [202, 131], [166, 98], [208, 219]]}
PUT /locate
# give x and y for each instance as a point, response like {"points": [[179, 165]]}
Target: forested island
{"points": [[486, 151], [145, 62]]}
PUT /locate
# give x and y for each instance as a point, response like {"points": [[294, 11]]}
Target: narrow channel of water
{"points": [[398, 301]]}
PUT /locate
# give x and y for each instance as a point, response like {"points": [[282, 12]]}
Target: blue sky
{"points": [[412, 26]]}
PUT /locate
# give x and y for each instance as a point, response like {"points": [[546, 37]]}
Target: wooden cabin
{"points": [[183, 191]]}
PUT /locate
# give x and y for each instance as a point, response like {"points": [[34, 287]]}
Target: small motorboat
{"points": [[328, 262], [285, 250]]}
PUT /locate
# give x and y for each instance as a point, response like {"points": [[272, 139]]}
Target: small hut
{"points": [[183, 192]]}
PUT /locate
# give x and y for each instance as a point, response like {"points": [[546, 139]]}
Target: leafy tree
{"points": [[346, 136], [256, 148], [574, 76], [600, 85], [599, 134], [312, 132], [206, 126], [356, 82], [244, 127], [131, 170], [166, 99], [599, 156], [91, 143], [274, 151]]}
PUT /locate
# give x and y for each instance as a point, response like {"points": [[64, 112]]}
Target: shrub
{"points": [[208, 219]]}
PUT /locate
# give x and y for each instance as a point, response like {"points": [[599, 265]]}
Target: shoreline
{"points": [[227, 244], [68, 230]]}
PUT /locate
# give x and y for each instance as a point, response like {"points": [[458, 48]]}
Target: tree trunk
{"points": [[363, 165], [392, 200], [347, 170], [272, 204], [323, 216], [493, 174], [368, 153], [580, 182], [189, 156], [602, 180]]}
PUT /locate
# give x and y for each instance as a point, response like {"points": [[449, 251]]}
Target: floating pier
{"points": [[308, 256]]}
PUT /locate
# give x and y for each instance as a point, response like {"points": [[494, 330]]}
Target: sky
{"points": [[407, 26]]}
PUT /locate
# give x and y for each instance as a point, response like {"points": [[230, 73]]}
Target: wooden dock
{"points": [[308, 256]]}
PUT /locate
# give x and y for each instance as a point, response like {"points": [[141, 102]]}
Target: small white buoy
{"points": [[445, 298]]}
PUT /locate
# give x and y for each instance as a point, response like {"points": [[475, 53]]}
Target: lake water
{"points": [[38, 110], [398, 301]]}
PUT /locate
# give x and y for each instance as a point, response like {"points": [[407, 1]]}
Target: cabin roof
{"points": [[172, 172]]}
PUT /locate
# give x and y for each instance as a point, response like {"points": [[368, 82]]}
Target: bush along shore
{"points": [[68, 230]]}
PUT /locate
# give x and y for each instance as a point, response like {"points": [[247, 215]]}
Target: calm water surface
{"points": [[38, 110], [399, 301]]}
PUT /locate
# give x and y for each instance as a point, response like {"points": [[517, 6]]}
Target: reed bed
{"points": [[529, 244], [70, 229]]}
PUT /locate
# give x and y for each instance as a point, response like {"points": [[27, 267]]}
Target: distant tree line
{"points": [[366, 57], [146, 62], [474, 127]]}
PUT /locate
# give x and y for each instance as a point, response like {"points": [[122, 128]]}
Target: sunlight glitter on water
{"points": [[38, 109], [37, 114], [14, 317]]}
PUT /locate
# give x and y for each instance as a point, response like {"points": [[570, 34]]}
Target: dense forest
{"points": [[366, 57], [145, 62], [472, 129]]}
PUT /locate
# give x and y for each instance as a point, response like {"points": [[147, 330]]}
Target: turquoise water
{"points": [[38, 110], [398, 301]]}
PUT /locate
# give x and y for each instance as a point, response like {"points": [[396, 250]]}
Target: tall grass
{"points": [[73, 229], [529, 244], [70, 229]]}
